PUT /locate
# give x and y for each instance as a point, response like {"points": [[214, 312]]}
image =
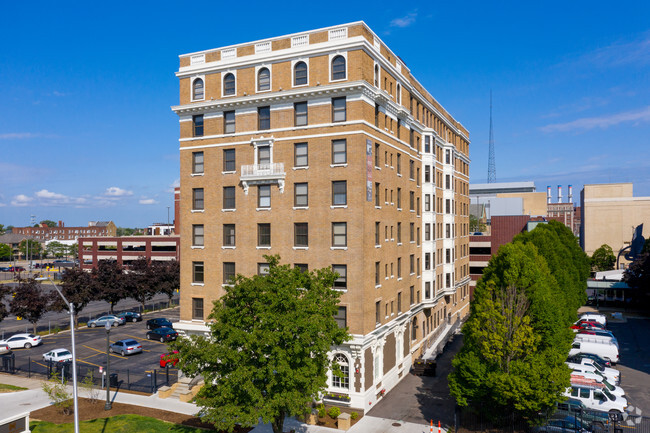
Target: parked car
{"points": [[597, 398], [577, 358], [604, 350], [564, 424], [159, 323], [58, 355], [612, 373], [101, 321], [18, 341], [5, 269], [4, 349], [169, 358], [125, 347], [577, 408], [597, 338], [601, 332], [600, 318], [163, 334], [130, 316], [596, 378], [587, 324], [16, 269]]}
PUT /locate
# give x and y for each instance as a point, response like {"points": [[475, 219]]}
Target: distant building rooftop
{"points": [[492, 189]]}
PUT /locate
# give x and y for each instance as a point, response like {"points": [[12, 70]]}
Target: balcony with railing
{"points": [[261, 174]]}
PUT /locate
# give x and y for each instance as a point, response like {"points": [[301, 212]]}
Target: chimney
{"points": [[559, 193], [548, 195], [60, 223], [570, 194]]}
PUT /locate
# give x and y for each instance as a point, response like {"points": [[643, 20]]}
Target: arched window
{"points": [[376, 75], [338, 68], [263, 79], [197, 89], [300, 74], [229, 84], [342, 381]]}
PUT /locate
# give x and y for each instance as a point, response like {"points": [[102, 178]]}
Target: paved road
{"points": [[418, 399]]}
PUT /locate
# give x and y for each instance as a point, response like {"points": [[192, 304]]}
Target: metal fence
{"points": [[143, 381]]}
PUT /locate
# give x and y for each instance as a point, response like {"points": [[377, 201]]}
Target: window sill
{"points": [[339, 206], [261, 209], [197, 174], [300, 207], [377, 207], [399, 174], [339, 165], [228, 247], [301, 248], [301, 167], [228, 210], [198, 284], [197, 211], [377, 286], [399, 278], [229, 172], [263, 248], [377, 246], [339, 248], [377, 168], [198, 247]]}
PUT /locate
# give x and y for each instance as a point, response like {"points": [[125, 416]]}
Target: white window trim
{"points": [[223, 83], [293, 72], [331, 57], [197, 210], [257, 70], [202, 77], [197, 284]]}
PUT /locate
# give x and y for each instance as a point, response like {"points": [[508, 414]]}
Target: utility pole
{"points": [[492, 170]]}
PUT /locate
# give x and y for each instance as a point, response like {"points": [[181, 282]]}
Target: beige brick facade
{"points": [[403, 242]]}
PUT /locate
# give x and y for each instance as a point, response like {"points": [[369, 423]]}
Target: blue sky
{"points": [[86, 130]]}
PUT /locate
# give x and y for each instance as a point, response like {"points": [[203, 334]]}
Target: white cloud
{"points": [[404, 21], [114, 191], [19, 135], [621, 53], [603, 122], [21, 200], [50, 195], [57, 93], [148, 201]]}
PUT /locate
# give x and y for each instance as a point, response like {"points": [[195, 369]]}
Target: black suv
{"points": [[158, 323], [130, 316]]}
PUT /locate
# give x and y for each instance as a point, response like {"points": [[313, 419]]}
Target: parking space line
{"points": [[92, 348]]}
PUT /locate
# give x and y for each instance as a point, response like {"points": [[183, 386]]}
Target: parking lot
{"points": [[134, 371]]}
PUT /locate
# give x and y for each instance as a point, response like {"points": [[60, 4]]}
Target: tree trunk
{"points": [[278, 422]]}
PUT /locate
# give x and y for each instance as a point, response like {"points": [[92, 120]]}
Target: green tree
{"points": [[267, 355], [33, 246], [48, 223], [512, 359], [167, 277], [4, 311], [72, 251], [140, 281], [77, 289], [475, 225], [603, 258], [55, 249], [108, 282], [5, 252], [122, 231], [29, 301], [2, 229]]}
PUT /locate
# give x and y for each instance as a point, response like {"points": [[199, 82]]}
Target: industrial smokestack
{"points": [[570, 194], [548, 195], [559, 193]]}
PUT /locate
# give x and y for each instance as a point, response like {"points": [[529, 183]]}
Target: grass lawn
{"points": [[115, 424], [10, 388]]}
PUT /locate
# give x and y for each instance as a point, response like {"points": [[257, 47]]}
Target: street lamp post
{"points": [[108, 405], [74, 353]]}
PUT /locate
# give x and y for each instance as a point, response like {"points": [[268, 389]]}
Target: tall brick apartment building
{"points": [[323, 148]]}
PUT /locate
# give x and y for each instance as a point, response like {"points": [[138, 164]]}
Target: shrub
{"points": [[57, 391], [334, 412], [321, 410], [354, 415]]}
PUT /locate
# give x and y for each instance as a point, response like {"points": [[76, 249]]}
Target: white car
{"points": [[597, 379], [613, 375], [18, 341], [597, 398], [58, 355], [600, 318]]}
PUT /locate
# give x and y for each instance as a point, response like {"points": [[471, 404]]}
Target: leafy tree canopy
{"points": [[603, 258], [108, 282], [5, 252], [33, 246], [48, 223], [29, 301], [77, 289], [267, 354]]}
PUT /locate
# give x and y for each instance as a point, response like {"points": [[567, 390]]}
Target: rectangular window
{"points": [[376, 154], [427, 144], [447, 181], [228, 272], [341, 320], [304, 267], [197, 235], [228, 235], [263, 269], [264, 196], [399, 302], [197, 199], [399, 163], [399, 267], [427, 203], [427, 261], [197, 125], [300, 156], [264, 235], [447, 255], [339, 193], [339, 152], [411, 169], [378, 320], [427, 232], [427, 173], [229, 160], [412, 232], [301, 195], [339, 234], [376, 115], [448, 280], [264, 118], [300, 113], [377, 194], [427, 289], [338, 109], [228, 122], [412, 200], [301, 235], [229, 197], [448, 206], [399, 232], [197, 162], [377, 233], [412, 295], [197, 308], [377, 276], [448, 230], [342, 281], [197, 272], [399, 198], [412, 264]]}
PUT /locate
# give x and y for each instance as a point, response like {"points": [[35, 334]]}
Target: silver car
{"points": [[101, 321], [125, 347]]}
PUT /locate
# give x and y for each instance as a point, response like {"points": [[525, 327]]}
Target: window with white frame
{"points": [[263, 79], [300, 74], [338, 68], [198, 90], [229, 87], [342, 380]]}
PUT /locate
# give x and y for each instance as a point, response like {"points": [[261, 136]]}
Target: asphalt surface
{"points": [[134, 371]]}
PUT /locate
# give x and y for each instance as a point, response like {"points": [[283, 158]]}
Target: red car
{"points": [[586, 324], [168, 358]]}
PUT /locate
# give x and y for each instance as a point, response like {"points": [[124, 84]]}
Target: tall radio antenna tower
{"points": [[492, 170]]}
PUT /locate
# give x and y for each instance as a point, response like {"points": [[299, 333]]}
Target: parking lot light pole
{"points": [[74, 352], [108, 405]]}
